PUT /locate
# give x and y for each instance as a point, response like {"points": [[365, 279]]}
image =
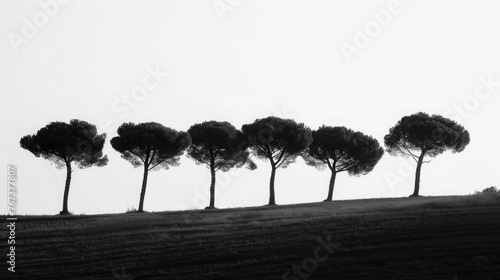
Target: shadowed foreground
{"points": [[403, 238]]}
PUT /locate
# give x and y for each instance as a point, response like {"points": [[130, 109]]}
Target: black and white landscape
{"points": [[237, 139]]}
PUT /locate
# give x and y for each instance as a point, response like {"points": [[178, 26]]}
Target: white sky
{"points": [[258, 58]]}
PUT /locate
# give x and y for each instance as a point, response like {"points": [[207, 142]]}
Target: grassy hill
{"points": [[395, 238]]}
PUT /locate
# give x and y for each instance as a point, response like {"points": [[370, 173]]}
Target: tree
{"points": [[62, 143], [341, 149], [150, 145], [278, 140], [421, 135], [220, 146]]}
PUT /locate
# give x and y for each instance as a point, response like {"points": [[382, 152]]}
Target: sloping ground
{"points": [[404, 238]]}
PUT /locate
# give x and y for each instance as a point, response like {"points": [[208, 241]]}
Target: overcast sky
{"points": [[359, 64]]}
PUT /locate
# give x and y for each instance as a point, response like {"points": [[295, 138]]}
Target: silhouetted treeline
{"points": [[220, 147]]}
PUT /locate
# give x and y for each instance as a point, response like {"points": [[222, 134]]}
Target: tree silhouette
{"points": [[63, 144], [150, 145], [220, 146], [341, 149], [419, 135], [278, 140]]}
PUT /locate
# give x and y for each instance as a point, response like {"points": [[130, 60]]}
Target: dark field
{"points": [[403, 238]]}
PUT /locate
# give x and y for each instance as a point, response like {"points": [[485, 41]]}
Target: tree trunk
{"points": [[417, 174], [271, 185], [212, 189], [143, 190], [332, 183], [66, 189]]}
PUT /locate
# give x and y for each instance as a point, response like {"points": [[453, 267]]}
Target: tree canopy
{"points": [[62, 143], [150, 145], [433, 134], [278, 140], [220, 146], [421, 135], [342, 149]]}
